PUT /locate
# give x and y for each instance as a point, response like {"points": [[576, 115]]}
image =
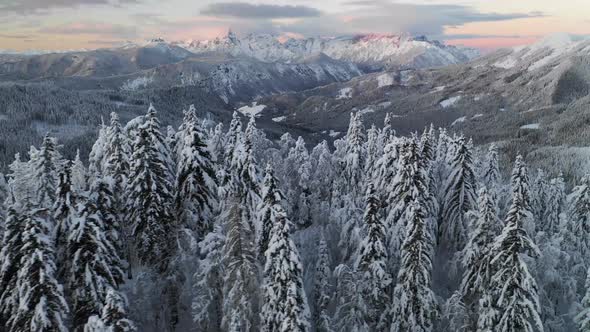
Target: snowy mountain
{"points": [[372, 50]]}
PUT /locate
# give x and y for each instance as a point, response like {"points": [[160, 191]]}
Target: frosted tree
{"points": [[583, 318], [491, 170], [215, 143], [321, 287], [576, 233], [101, 193], [117, 160], [79, 174], [408, 185], [554, 206], [304, 208], [114, 312], [36, 284], [372, 149], [284, 305], [231, 141], [149, 196], [20, 180], [414, 302], [515, 290], [270, 209], [539, 197], [196, 187], [64, 212], [10, 257], [95, 266], [97, 153], [208, 283], [371, 261], [354, 158], [240, 283], [351, 309], [45, 169], [477, 255], [460, 198]]}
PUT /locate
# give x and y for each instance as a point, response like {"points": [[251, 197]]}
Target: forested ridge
{"points": [[203, 228]]}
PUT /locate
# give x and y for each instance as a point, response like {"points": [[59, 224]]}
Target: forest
{"points": [[206, 228]]}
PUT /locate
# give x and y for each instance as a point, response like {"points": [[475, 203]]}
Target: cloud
{"points": [[10, 36], [93, 28], [386, 17], [27, 7], [253, 11]]}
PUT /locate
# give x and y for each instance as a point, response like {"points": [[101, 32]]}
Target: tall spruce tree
{"points": [[284, 302], [477, 255], [10, 258], [321, 287], [45, 170], [414, 303], [94, 265], [196, 186], [371, 262], [270, 209], [149, 196], [42, 306], [460, 197], [515, 290], [65, 210]]}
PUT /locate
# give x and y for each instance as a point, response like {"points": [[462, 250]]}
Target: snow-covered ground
{"points": [[345, 93], [253, 110], [384, 80], [459, 120], [279, 119], [450, 101], [531, 126]]}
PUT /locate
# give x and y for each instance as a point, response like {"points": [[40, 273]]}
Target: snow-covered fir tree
{"points": [[65, 210], [284, 304], [114, 312], [196, 186], [10, 258], [42, 306], [371, 261], [79, 174], [414, 303], [46, 164], [321, 288], [460, 198], [149, 195], [351, 310], [270, 209], [514, 288]]}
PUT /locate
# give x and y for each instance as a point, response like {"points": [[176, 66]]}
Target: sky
{"points": [[90, 24]]}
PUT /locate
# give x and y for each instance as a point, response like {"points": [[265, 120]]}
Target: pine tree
{"points": [[208, 284], [270, 209], [354, 158], [351, 309], [149, 204], [491, 172], [96, 158], [408, 185], [576, 234], [45, 168], [460, 197], [92, 272], [114, 312], [583, 318], [196, 186], [42, 306], [554, 206], [240, 286], [515, 290], [10, 258], [477, 254], [414, 307], [79, 174], [371, 263], [64, 212], [284, 303], [117, 161], [321, 287], [231, 142]]}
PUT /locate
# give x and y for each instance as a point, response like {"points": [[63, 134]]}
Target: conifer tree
{"points": [[371, 263], [79, 174], [321, 287], [64, 212], [208, 285], [240, 287], [515, 290], [354, 158], [408, 185], [414, 307], [554, 206], [149, 204], [576, 233], [10, 257], [42, 306], [491, 172], [94, 269], [45, 168], [117, 161], [351, 309], [114, 313], [460, 197], [96, 158], [284, 305], [270, 209], [477, 255], [196, 186]]}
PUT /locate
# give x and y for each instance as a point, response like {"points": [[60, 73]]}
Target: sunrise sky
{"points": [[85, 24]]}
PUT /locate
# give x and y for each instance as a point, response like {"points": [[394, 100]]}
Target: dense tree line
{"points": [[207, 229]]}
